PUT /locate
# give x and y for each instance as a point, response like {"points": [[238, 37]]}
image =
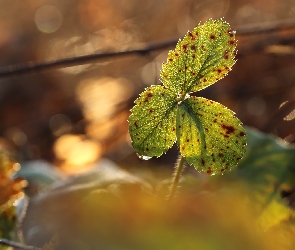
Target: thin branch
{"points": [[31, 67], [16, 245], [267, 27]]}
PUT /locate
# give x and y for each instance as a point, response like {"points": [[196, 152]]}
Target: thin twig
{"points": [[266, 27], [17, 245], [30, 67]]}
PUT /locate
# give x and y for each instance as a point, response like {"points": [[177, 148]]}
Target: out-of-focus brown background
{"points": [[74, 116]]}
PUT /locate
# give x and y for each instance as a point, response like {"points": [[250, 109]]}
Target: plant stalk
{"points": [[176, 177]]}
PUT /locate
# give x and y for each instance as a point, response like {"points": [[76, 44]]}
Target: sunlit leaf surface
{"points": [[153, 122], [208, 134], [204, 56]]}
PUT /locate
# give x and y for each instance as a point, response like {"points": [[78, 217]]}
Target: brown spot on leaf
{"points": [[220, 155], [170, 59], [187, 140], [203, 162], [231, 42], [150, 111], [173, 129], [225, 54], [228, 129], [219, 70], [184, 47], [147, 149], [149, 95], [183, 148], [242, 134], [193, 47], [136, 125], [176, 54], [209, 171], [191, 36], [212, 37]]}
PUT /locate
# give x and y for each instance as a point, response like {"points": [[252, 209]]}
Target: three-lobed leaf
{"points": [[208, 134]]}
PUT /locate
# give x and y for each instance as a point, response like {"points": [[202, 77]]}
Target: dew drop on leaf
{"points": [[144, 157]]}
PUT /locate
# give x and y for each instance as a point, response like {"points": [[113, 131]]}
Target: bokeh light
{"points": [[48, 19]]}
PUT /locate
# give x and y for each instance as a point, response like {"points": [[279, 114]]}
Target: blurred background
{"points": [[72, 117]]}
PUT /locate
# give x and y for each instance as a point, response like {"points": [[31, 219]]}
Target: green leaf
{"points": [[153, 122], [204, 56], [209, 135], [268, 168]]}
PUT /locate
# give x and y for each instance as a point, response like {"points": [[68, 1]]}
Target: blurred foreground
{"points": [[109, 208]]}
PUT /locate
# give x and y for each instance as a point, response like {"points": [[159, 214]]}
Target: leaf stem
{"points": [[179, 167]]}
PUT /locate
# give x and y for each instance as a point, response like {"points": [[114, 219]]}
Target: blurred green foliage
{"points": [[11, 189], [242, 209]]}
